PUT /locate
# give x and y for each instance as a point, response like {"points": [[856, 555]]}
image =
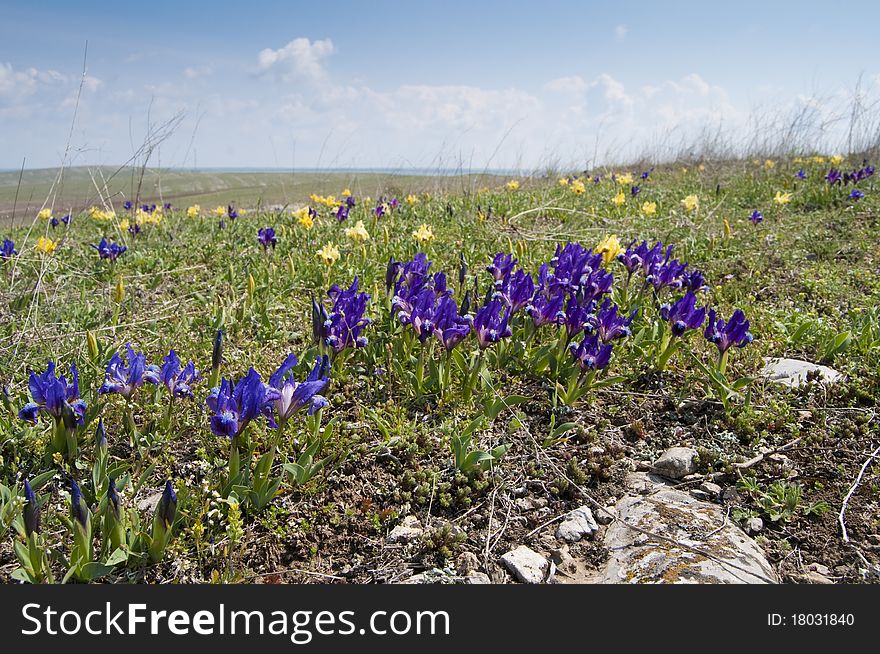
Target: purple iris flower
{"points": [[54, 395], [502, 265], [577, 316], [178, 379], [833, 177], [725, 335], [166, 509], [394, 203], [109, 250], [491, 323], [146, 208], [293, 395], [801, 174], [392, 270], [694, 280], [647, 173], [66, 219], [548, 302], [379, 210], [450, 327], [438, 282], [591, 353], [608, 324], [669, 273], [127, 205], [635, 190], [231, 212], [516, 290], [236, 405], [411, 279], [167, 206], [134, 229], [342, 212], [7, 251], [266, 237], [125, 379], [54, 222], [756, 217], [683, 314], [856, 195], [349, 202], [344, 323]]}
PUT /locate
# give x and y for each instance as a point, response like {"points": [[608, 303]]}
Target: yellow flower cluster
{"points": [[142, 217], [782, 198], [101, 215], [618, 199], [649, 208], [609, 247], [625, 180], [512, 185], [411, 199], [45, 245], [328, 200], [45, 214], [193, 211], [358, 233], [577, 187], [691, 203], [424, 234], [303, 217], [329, 254]]}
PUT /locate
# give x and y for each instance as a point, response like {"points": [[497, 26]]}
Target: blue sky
{"points": [[399, 84]]}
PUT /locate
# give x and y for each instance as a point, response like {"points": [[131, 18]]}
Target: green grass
{"points": [[805, 276]]}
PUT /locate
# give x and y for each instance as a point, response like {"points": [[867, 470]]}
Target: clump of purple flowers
{"points": [[176, 377], [293, 396], [683, 315], [126, 377], [235, 405], [54, 395], [756, 217], [109, 250], [266, 237], [341, 327], [7, 250]]}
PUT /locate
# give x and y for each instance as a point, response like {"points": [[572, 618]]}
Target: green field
{"points": [[455, 439]]}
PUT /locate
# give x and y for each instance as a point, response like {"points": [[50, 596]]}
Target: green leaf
{"points": [[94, 570], [118, 556]]}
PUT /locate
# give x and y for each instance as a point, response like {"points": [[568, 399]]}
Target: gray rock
{"points": [[713, 490], [725, 554], [730, 495], [577, 525], [754, 525], [526, 565], [676, 462], [477, 578], [701, 495], [466, 563], [793, 372], [149, 503], [407, 531]]}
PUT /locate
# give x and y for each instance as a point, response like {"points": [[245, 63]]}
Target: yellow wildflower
{"points": [[512, 185], [304, 218], [818, 160], [563, 181], [193, 211], [618, 199], [358, 233], [45, 214], [769, 164], [782, 198], [124, 224], [625, 180], [423, 234], [45, 245], [346, 193], [836, 160], [691, 203], [411, 199], [220, 211], [577, 187], [609, 247], [329, 254], [649, 208]]}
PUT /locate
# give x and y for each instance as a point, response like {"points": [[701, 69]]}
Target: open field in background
{"points": [[82, 187], [805, 275]]}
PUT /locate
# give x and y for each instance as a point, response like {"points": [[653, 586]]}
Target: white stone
{"points": [[725, 553], [407, 531], [676, 462], [793, 372], [526, 565], [577, 525]]}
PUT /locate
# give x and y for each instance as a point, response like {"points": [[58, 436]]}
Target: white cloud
{"points": [[620, 32], [299, 59], [195, 72], [17, 84]]}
